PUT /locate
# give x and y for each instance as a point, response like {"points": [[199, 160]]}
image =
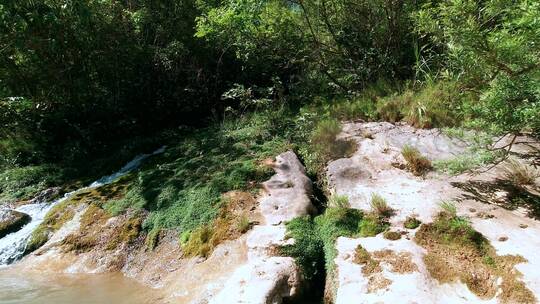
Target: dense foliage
{"points": [[78, 76], [85, 85]]}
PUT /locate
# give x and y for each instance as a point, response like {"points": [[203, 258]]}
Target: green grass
{"points": [[340, 201], [476, 155], [469, 160], [182, 188], [314, 245], [411, 222], [315, 237], [25, 182], [371, 225]]}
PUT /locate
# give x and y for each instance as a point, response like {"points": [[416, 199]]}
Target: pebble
{"points": [[523, 226], [503, 238]]}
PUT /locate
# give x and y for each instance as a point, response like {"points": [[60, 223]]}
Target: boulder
{"points": [[11, 221]]}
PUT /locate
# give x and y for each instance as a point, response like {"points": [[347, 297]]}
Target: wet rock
{"points": [[11, 221]]}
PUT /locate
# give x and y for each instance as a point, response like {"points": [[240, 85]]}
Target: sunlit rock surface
{"points": [[375, 168]]}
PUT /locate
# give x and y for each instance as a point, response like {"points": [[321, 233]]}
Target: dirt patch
{"points": [[401, 262], [458, 253]]}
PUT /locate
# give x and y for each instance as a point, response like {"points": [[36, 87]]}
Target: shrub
{"points": [[411, 222], [391, 108], [25, 182], [392, 235], [520, 174], [379, 206], [371, 225], [416, 162], [432, 106], [355, 108]]}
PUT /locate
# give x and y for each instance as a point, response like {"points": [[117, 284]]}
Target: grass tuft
{"points": [[416, 162], [520, 174], [380, 207], [339, 201], [371, 225], [411, 222]]}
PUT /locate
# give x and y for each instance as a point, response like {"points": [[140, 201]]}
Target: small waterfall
{"points": [[13, 245]]}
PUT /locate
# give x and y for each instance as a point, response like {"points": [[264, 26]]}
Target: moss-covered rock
{"points": [[11, 221]]}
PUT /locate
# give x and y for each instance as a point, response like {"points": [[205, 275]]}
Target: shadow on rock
{"points": [[501, 193]]}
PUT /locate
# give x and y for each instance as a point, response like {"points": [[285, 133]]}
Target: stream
{"points": [[34, 288], [16, 287]]}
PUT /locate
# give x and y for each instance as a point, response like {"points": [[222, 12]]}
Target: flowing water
{"points": [[33, 288]]}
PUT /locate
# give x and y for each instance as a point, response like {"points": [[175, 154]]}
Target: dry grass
{"points": [[243, 223], [416, 162], [400, 262], [380, 206], [363, 257], [520, 174], [377, 282], [392, 235], [458, 253]]}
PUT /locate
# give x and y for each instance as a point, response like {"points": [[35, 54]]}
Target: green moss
{"points": [[411, 222], [54, 220], [371, 225], [152, 239], [39, 237], [314, 247]]}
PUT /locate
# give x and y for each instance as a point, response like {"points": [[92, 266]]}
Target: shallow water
{"points": [[28, 288]]}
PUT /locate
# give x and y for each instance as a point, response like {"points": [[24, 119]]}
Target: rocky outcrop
{"points": [[11, 221], [397, 270], [248, 269], [266, 278]]}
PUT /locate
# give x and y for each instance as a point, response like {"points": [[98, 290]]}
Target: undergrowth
{"points": [[315, 237]]}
